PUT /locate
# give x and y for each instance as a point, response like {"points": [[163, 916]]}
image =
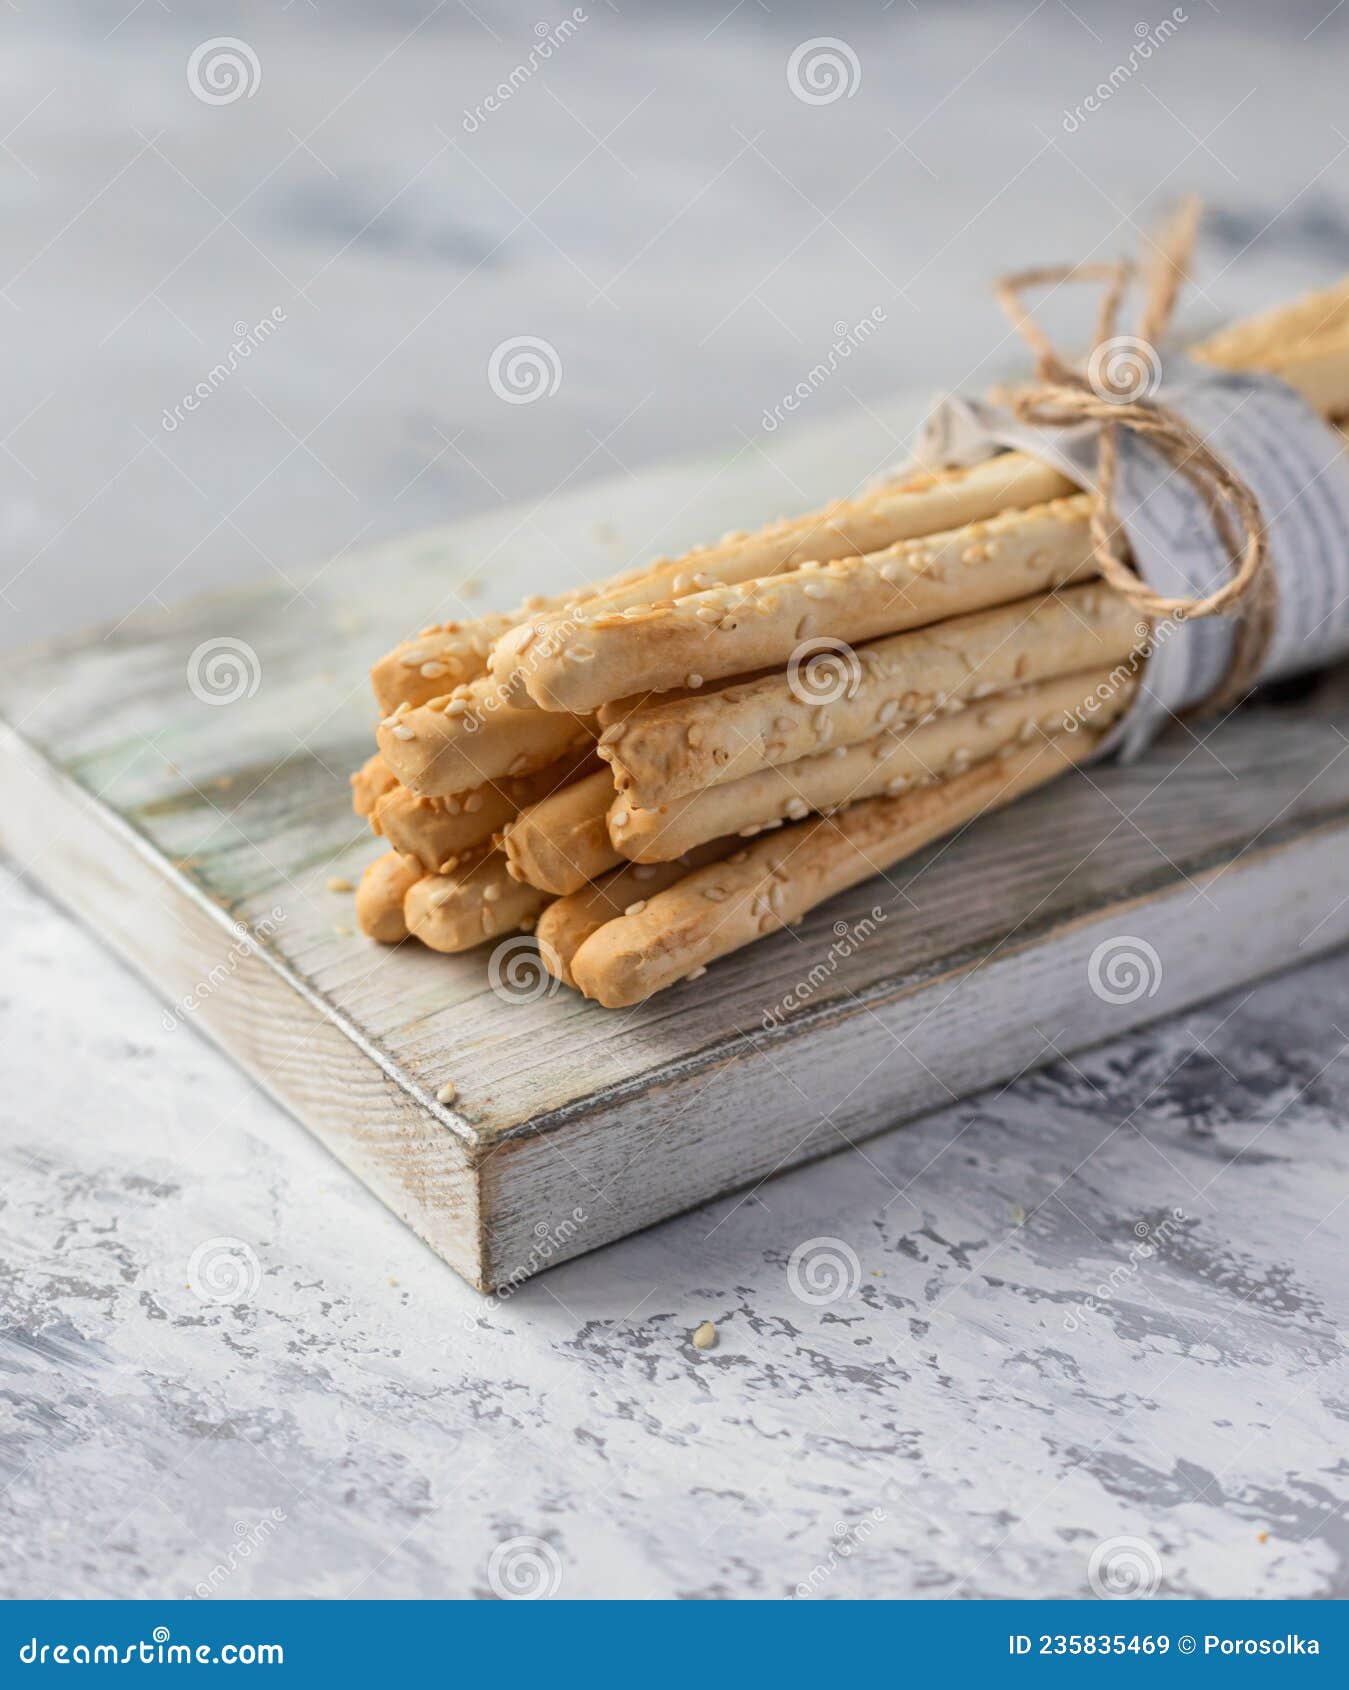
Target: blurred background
{"points": [[285, 278]]}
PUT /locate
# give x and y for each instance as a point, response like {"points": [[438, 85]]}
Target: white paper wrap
{"points": [[1294, 463]]}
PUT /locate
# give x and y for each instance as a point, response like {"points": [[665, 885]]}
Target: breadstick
{"points": [[480, 901], [562, 842], [566, 925], [921, 503], [772, 883], [890, 763], [619, 709], [1305, 344], [436, 830], [733, 630], [379, 897], [454, 744], [668, 749], [369, 784], [442, 656]]}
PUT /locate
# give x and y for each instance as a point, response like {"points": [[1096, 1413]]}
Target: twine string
{"points": [[1065, 395]]}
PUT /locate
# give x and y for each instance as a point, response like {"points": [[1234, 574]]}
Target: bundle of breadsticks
{"points": [[659, 769]]}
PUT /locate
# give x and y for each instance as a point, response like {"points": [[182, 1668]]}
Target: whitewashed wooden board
{"points": [[164, 820]]}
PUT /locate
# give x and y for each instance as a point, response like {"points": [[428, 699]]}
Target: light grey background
{"points": [[688, 236]]}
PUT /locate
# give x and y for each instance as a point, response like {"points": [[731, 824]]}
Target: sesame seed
{"points": [[619, 818], [693, 682], [433, 671], [636, 908], [490, 894], [813, 590], [698, 972], [336, 883], [714, 894], [614, 731], [473, 803], [400, 732]]}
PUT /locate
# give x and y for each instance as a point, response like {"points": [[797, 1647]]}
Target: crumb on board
{"points": [[339, 883], [447, 1093], [705, 1336]]}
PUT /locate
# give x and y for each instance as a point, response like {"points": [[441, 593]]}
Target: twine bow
{"points": [[1095, 393]]}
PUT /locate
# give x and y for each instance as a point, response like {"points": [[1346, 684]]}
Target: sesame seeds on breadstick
{"points": [[478, 902], [733, 630], [566, 924], [669, 748], [458, 742], [889, 763], [436, 830]]}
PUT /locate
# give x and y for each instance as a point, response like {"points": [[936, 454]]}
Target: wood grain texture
{"points": [[163, 818]]}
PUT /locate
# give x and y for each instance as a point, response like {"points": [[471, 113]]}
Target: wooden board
{"points": [[164, 820]]}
